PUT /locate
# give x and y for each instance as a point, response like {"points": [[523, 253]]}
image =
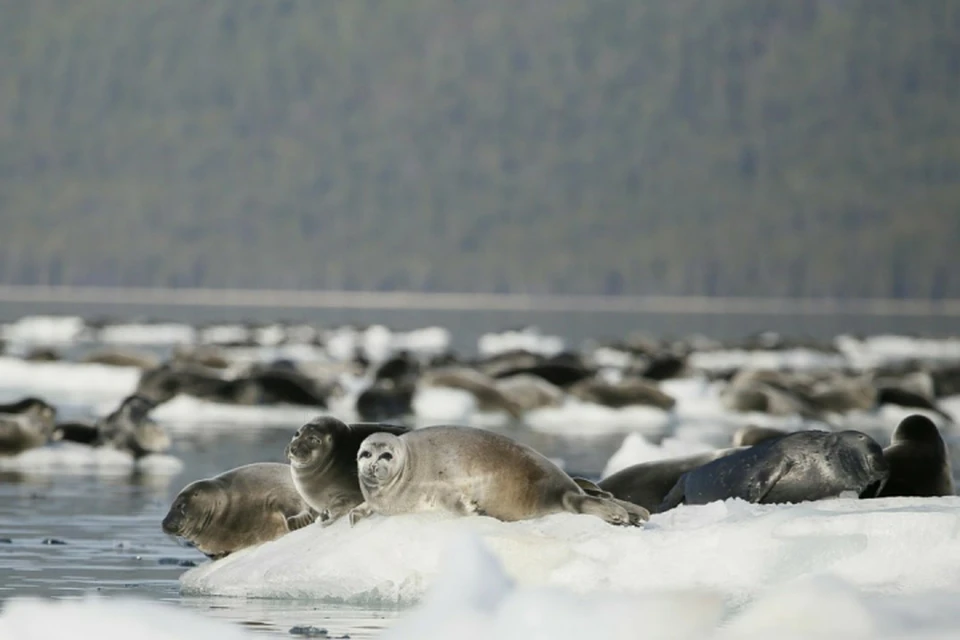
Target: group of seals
{"points": [[768, 465], [31, 423], [361, 469]]}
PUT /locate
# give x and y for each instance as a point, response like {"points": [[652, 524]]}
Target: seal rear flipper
{"points": [[300, 520], [674, 498], [607, 510], [591, 489]]}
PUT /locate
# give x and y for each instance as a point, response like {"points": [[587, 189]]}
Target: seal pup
{"points": [[323, 466], [919, 464], [25, 424], [239, 508], [647, 484], [801, 466], [470, 471]]}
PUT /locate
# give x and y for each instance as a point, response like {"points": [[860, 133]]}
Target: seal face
{"points": [[25, 424], [239, 508], [470, 471], [802, 466], [919, 464], [323, 465]]}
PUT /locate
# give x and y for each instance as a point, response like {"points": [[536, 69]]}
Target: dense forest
{"points": [[742, 147]]}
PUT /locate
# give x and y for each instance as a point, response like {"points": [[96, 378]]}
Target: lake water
{"points": [[70, 534]]}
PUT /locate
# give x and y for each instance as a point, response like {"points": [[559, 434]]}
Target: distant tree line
{"points": [[743, 147]]}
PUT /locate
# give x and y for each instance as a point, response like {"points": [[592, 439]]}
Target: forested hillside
{"points": [[742, 147]]}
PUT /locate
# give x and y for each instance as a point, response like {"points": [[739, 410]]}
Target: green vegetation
{"points": [[734, 147]]}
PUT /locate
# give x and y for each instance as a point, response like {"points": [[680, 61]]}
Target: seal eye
{"points": [[364, 454], [386, 456]]}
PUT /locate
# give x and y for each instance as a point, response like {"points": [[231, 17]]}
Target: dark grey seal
{"points": [[25, 424], [323, 466], [919, 464], [647, 484], [802, 466]]}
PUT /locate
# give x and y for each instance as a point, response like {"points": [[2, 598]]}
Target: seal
{"points": [[239, 508], [647, 484], [627, 392], [130, 428], [323, 466], [25, 424], [530, 392], [470, 471], [919, 464], [801, 466], [482, 387]]}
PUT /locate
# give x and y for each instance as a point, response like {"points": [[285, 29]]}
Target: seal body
{"points": [[647, 484], [751, 434], [470, 471], [26, 424], [323, 465], [130, 428], [919, 464], [239, 508], [802, 466]]}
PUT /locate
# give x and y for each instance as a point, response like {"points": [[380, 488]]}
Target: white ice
{"points": [[529, 339], [740, 550], [880, 349], [148, 334], [71, 457], [186, 412], [636, 449], [67, 380], [43, 330], [109, 619], [798, 359]]}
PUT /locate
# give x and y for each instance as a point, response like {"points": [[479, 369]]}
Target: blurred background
{"points": [[808, 148]]}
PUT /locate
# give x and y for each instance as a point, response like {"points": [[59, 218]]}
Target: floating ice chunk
{"points": [[881, 349], [529, 339], [444, 404], [109, 619], [905, 545], [473, 597], [576, 417], [636, 449], [186, 413], [223, 334], [71, 457], [152, 334], [68, 379], [44, 330], [797, 359]]}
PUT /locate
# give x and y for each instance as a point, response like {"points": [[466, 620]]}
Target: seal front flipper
{"points": [[591, 489], [300, 520], [759, 486], [360, 512], [339, 507]]}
